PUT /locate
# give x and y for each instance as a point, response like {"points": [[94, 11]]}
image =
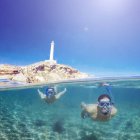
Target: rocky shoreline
{"points": [[40, 72]]}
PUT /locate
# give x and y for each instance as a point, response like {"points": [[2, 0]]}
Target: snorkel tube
{"points": [[108, 89]]}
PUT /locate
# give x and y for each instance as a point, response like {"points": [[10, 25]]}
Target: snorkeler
{"points": [[51, 94], [102, 111]]}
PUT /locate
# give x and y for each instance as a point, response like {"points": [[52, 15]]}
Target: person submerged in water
{"points": [[51, 94], [102, 111]]}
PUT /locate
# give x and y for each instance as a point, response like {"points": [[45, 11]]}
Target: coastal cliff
{"points": [[40, 72]]}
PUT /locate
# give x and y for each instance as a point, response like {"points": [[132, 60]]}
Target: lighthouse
{"points": [[51, 60], [52, 51]]}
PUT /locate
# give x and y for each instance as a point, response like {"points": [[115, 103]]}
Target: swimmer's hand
{"points": [[84, 114], [104, 84], [65, 89], [43, 96], [39, 92], [83, 105]]}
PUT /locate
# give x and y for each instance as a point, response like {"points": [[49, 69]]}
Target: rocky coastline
{"points": [[40, 72]]}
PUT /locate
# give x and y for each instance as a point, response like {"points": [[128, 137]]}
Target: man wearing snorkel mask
{"points": [[102, 111], [51, 94]]}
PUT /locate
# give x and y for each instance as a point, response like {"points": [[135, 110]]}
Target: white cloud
{"points": [[86, 29]]}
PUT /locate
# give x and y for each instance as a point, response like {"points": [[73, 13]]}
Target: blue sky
{"points": [[100, 37]]}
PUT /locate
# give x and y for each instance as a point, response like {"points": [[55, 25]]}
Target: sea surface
{"points": [[25, 116]]}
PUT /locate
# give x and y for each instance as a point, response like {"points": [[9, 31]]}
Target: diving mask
{"points": [[105, 107]]}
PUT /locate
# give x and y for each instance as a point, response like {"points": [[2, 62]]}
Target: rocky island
{"points": [[40, 72]]}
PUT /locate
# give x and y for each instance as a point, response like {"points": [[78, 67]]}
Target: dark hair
{"points": [[104, 96]]}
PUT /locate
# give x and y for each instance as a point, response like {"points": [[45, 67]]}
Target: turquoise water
{"points": [[24, 116]]}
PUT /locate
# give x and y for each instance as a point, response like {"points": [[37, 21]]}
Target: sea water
{"points": [[25, 116]]}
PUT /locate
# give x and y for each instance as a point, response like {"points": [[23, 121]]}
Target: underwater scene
{"points": [[25, 116]]}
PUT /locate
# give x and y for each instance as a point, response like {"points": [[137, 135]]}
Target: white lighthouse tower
{"points": [[51, 60], [52, 51]]}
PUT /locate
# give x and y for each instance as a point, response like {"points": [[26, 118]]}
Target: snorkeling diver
{"points": [[103, 110], [51, 94]]}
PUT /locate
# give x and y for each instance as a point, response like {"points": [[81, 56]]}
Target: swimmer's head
{"points": [[104, 97], [104, 104]]}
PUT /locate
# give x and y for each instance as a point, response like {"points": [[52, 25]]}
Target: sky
{"points": [[100, 37]]}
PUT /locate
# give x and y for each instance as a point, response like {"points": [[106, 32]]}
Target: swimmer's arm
{"points": [[89, 108], [56, 88], [57, 96], [43, 96], [92, 109], [114, 111]]}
